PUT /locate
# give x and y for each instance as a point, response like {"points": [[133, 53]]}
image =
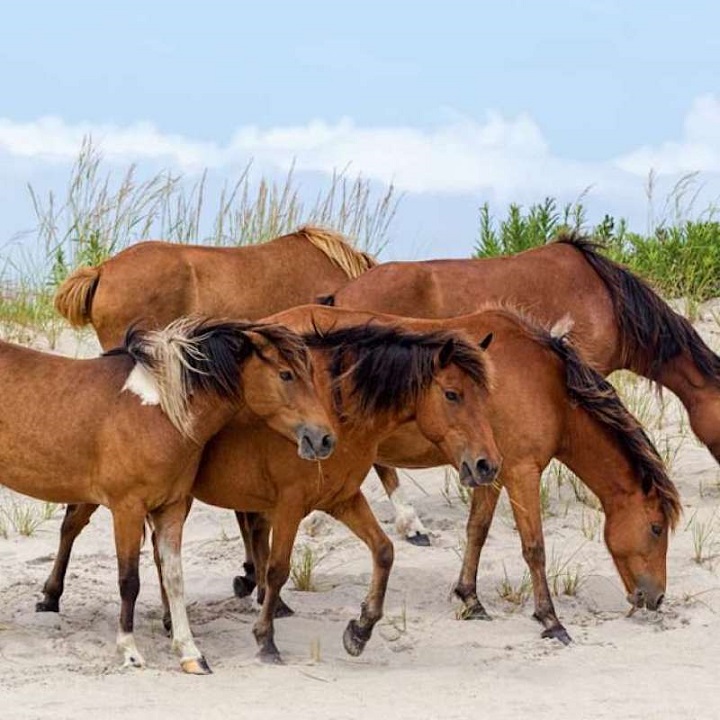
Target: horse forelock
{"points": [[389, 366], [200, 355]]}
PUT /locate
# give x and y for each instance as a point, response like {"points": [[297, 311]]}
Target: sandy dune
{"points": [[421, 662]]}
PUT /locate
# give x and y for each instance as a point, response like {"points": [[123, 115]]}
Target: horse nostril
{"points": [[484, 468], [327, 442]]}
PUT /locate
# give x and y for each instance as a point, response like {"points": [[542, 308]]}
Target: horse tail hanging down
{"points": [[339, 251], [651, 332], [73, 299]]}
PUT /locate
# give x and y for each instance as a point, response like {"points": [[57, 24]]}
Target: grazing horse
{"points": [[127, 431], [153, 283], [620, 323], [546, 403], [375, 377]]}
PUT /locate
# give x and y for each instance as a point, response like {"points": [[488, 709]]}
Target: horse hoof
{"points": [[269, 657], [134, 661], [558, 633], [474, 612], [353, 639], [196, 666], [419, 539], [47, 605], [282, 610], [242, 586]]}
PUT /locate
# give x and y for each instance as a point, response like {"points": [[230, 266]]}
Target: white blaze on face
{"points": [[143, 384]]}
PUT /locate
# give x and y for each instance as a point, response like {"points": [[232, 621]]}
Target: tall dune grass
{"points": [[103, 210]]}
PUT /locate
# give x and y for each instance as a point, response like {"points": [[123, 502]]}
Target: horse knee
{"points": [[277, 575], [385, 555], [534, 554]]}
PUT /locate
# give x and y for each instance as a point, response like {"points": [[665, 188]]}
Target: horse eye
{"points": [[452, 396], [286, 375], [656, 529]]}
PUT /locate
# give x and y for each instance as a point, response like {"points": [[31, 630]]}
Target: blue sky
{"points": [[457, 102]]}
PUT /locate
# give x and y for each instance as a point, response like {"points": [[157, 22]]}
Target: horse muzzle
{"points": [[315, 443], [646, 595], [476, 473]]}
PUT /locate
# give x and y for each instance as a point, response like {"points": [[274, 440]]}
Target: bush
{"points": [[680, 260]]}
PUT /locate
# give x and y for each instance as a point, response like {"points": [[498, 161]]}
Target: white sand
{"points": [[421, 661]]}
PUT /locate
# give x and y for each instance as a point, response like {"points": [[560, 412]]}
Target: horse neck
{"points": [[596, 457], [682, 376], [210, 414]]}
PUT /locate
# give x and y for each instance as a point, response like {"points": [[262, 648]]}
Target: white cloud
{"points": [[697, 150], [507, 157]]}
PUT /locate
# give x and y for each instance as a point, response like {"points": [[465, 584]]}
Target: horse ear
{"points": [[485, 342], [446, 353], [254, 340]]}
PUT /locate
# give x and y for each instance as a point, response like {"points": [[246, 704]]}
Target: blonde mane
{"points": [[338, 250]]}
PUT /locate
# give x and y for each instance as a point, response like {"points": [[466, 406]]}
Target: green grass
{"points": [[679, 256]]}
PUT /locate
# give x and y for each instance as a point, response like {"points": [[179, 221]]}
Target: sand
{"points": [[421, 662]]}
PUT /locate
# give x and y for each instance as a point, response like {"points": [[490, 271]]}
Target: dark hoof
{"points": [[474, 612], [282, 610], [167, 624], [243, 586], [419, 539], [47, 605], [354, 639], [557, 633], [270, 657]]}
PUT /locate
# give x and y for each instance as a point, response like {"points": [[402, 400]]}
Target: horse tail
{"points": [[651, 333], [73, 299], [340, 252]]}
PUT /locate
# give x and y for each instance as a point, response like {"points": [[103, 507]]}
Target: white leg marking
{"points": [[183, 641], [143, 384], [131, 655], [407, 522]]}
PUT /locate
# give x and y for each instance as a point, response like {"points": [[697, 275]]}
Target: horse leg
{"points": [[284, 530], [167, 617], [482, 508], [76, 518], [128, 524], [358, 517], [260, 539], [407, 522], [168, 523], [243, 585], [524, 491]]}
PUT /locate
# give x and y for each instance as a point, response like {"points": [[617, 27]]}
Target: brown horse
{"points": [[377, 377], [153, 283], [127, 431], [547, 402], [156, 282], [619, 321]]}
